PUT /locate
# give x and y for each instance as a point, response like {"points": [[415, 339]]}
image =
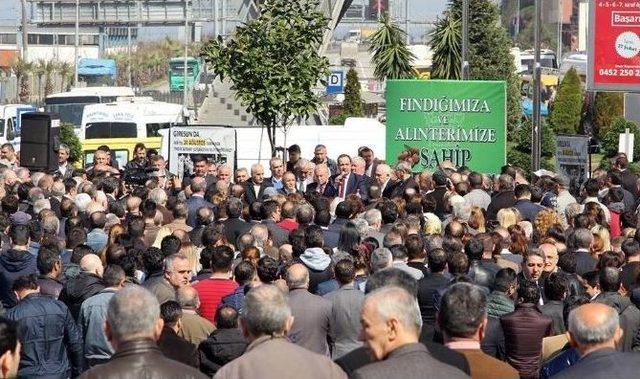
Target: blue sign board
{"points": [[335, 82]]}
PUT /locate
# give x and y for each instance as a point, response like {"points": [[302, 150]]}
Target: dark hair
{"points": [[19, 234], [458, 263], [322, 217], [415, 246], [528, 292], [25, 282], [35, 230], [148, 208], [610, 259], [343, 210], [591, 187], [345, 271], [226, 317], [452, 245], [522, 190], [437, 260], [153, 259], [244, 272], [46, 260], [268, 208], [79, 252], [592, 278], [349, 238], [389, 211], [555, 286], [221, 258], [171, 312], [170, 245], [136, 226], [211, 235], [8, 335], [267, 269], [392, 277], [113, 275], [463, 308], [568, 262], [10, 204], [313, 236], [75, 236], [630, 248], [504, 279], [571, 303], [609, 279], [98, 219], [399, 252], [474, 249]]}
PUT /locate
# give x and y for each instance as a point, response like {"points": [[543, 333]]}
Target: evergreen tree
{"points": [[352, 104], [567, 107], [489, 55], [446, 44], [608, 106], [391, 57], [70, 138], [519, 154], [609, 140]]}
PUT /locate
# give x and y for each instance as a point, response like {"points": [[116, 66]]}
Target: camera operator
{"points": [[139, 160]]}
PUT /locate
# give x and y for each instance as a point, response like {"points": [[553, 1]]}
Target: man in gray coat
{"points": [[265, 323], [391, 326], [311, 312], [344, 324]]}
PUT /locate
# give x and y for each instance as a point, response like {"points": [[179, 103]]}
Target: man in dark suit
{"points": [[270, 218], [170, 343], [582, 239], [383, 179], [277, 170], [405, 180], [370, 161], [322, 185], [200, 169], [256, 184], [441, 182], [629, 179], [594, 330], [504, 198], [397, 350], [196, 201], [65, 169], [347, 182], [436, 280], [234, 227]]}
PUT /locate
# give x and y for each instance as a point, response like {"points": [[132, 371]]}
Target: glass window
{"points": [[45, 39], [97, 130], [152, 129], [8, 38]]}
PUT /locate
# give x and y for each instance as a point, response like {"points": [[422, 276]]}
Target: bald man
{"points": [[311, 313], [196, 200], [594, 331], [195, 328], [86, 284]]}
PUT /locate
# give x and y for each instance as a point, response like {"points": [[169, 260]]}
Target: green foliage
{"points": [[22, 69], [338, 119], [519, 153], [69, 138], [567, 107], [446, 43], [608, 106], [489, 55], [391, 58], [273, 62], [352, 101], [609, 141]]}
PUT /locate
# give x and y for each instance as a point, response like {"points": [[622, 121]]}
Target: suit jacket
{"points": [[502, 199], [234, 228], [555, 310], [275, 358], [193, 204], [311, 320], [209, 179], [484, 366], [280, 236], [344, 324], [585, 262], [250, 192], [355, 184], [329, 189], [69, 172], [403, 185], [438, 196], [177, 348], [388, 190], [195, 328], [604, 363], [409, 361]]}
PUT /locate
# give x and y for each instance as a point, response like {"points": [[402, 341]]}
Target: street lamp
{"points": [[76, 45], [464, 69], [535, 128]]}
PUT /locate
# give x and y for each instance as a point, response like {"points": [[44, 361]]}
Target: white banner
{"points": [[216, 144], [572, 158]]}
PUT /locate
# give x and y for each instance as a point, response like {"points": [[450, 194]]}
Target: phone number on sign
{"points": [[619, 72]]}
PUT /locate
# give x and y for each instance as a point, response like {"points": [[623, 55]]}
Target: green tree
{"points": [[50, 68], [519, 153], [609, 141], [608, 106], [40, 69], [391, 58], [489, 55], [66, 72], [352, 104], [70, 138], [273, 62], [567, 107], [446, 44], [22, 69]]}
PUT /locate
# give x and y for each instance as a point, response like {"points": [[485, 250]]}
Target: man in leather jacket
{"points": [[133, 326]]}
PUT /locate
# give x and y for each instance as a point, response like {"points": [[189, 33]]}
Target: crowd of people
{"points": [[325, 269]]}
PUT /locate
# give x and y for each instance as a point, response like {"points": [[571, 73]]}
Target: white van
{"points": [[11, 122], [133, 118]]}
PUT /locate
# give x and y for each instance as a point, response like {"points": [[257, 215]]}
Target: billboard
{"points": [[216, 144], [614, 46], [430, 121], [572, 158]]}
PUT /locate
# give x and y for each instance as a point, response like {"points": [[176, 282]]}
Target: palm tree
{"points": [[65, 70], [22, 69], [391, 57], [40, 69], [446, 46], [49, 68]]}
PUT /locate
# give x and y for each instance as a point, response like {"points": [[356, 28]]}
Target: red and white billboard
{"points": [[614, 46]]}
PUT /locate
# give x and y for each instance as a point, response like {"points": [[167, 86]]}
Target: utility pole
{"points": [[24, 31], [76, 45], [464, 69], [130, 81], [216, 19], [224, 18], [535, 128], [517, 28], [559, 47], [406, 20], [185, 92]]}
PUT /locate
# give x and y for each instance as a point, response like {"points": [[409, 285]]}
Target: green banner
{"points": [[430, 121]]}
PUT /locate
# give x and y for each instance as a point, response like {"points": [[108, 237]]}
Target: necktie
{"points": [[343, 186]]}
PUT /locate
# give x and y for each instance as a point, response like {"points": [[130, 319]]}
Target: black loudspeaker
{"points": [[40, 138]]}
